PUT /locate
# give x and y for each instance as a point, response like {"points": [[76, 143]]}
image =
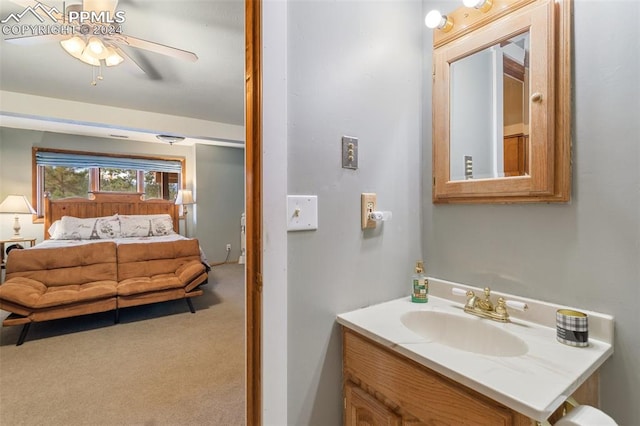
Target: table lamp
{"points": [[16, 204]]}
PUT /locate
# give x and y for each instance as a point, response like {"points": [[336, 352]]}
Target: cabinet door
{"points": [[361, 409], [514, 156]]}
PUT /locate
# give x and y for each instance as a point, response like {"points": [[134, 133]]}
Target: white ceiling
{"points": [[210, 89]]}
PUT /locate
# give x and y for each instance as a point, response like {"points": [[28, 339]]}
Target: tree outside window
{"points": [[118, 180], [64, 182]]}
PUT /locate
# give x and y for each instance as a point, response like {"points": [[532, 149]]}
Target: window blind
{"points": [[49, 158]]}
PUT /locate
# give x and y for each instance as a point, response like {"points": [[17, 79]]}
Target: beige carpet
{"points": [[161, 365]]}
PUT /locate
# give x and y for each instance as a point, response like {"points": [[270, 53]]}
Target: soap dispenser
{"points": [[420, 284]]}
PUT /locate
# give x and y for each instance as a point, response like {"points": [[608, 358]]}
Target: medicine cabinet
{"points": [[501, 104]]}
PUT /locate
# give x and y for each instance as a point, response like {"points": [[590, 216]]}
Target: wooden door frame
{"points": [[253, 206]]}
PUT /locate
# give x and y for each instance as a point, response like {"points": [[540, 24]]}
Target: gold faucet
{"points": [[484, 308]]}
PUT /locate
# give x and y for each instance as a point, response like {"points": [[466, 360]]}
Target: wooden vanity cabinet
{"points": [[382, 387], [363, 409]]}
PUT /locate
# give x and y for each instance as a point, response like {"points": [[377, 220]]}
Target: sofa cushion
{"points": [[22, 291], [75, 265], [155, 283], [150, 259], [33, 294]]}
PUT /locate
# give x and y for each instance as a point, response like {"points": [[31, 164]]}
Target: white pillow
{"points": [[146, 225], [132, 226], [94, 228], [52, 230], [162, 225]]}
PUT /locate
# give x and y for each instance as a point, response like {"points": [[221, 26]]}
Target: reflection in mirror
{"points": [[489, 112]]}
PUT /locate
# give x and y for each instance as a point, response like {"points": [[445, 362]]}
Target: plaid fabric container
{"points": [[572, 328]]}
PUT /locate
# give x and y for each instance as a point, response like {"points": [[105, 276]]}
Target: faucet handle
{"points": [[519, 306], [458, 291]]}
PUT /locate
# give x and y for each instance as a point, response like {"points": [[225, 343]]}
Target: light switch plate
{"points": [[349, 152], [302, 212]]}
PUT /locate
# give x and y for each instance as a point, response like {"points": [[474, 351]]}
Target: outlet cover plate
{"points": [[302, 212], [368, 204]]}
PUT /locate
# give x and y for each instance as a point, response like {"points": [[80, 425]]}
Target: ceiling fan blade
{"points": [[45, 11], [100, 6], [129, 63], [155, 47], [35, 39]]}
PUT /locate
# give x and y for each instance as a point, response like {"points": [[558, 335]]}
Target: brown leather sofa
{"points": [[50, 283]]}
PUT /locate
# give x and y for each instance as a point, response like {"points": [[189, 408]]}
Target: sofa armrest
{"points": [[22, 291], [189, 271]]}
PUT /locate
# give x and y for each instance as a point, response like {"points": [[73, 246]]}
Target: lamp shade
{"points": [[184, 197], [16, 204]]}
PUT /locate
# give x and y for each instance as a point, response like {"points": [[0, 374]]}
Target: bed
{"points": [[130, 208], [101, 204]]}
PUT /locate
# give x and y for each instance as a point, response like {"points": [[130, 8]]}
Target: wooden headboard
{"points": [[106, 204]]}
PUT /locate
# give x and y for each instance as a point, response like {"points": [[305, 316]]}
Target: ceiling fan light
{"points": [[112, 58], [74, 46], [88, 58], [96, 47]]}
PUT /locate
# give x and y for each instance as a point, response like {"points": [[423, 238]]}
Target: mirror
{"points": [[489, 118], [501, 130]]}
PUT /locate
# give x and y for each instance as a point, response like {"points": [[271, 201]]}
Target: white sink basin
{"points": [[466, 333]]}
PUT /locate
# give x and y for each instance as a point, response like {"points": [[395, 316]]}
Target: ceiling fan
{"points": [[92, 33]]}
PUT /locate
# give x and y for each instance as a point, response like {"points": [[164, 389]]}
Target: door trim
{"points": [[253, 206]]}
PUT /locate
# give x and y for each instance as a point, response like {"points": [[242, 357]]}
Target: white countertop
{"points": [[534, 384]]}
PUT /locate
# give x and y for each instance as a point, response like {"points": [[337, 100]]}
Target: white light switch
{"points": [[302, 212]]}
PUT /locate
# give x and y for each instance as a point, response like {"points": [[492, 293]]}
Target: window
{"points": [[64, 182], [159, 184], [118, 180], [63, 174]]}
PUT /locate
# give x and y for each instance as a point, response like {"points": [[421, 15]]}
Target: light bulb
{"points": [[472, 3], [482, 5], [433, 19]]}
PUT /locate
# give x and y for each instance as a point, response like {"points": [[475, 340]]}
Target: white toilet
{"points": [[586, 415]]}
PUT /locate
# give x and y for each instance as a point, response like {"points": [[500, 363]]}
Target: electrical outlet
{"points": [[368, 203], [228, 247]]}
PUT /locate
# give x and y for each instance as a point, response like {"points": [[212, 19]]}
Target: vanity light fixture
{"points": [[482, 5], [435, 20]]}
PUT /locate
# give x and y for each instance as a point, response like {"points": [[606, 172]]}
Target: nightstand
{"points": [[7, 243]]}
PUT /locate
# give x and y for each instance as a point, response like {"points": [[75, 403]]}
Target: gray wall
{"points": [[354, 68], [585, 253], [220, 200]]}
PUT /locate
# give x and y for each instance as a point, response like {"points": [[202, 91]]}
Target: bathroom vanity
{"points": [[409, 364]]}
